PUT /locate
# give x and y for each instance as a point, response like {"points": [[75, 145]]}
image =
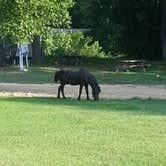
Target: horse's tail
{"points": [[57, 75], [93, 82]]}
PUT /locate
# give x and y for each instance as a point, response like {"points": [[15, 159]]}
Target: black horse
{"points": [[81, 77]]}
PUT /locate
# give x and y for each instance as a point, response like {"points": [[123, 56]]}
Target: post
{"points": [[21, 65], [23, 54], [26, 60]]}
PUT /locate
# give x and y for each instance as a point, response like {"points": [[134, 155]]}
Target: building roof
{"points": [[70, 30]]}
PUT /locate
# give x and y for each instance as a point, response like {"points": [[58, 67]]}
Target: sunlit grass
{"points": [[104, 74], [47, 131]]}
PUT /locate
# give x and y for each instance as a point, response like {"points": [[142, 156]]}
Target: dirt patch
{"points": [[108, 91]]}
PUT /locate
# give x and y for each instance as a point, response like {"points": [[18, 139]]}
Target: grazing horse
{"points": [[81, 77]]}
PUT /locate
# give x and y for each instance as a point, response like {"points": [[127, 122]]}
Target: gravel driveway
{"points": [[108, 91]]}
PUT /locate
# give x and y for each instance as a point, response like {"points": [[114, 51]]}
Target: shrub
{"points": [[72, 44]]}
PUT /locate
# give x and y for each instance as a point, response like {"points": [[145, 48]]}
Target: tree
{"points": [[129, 27], [2, 56], [163, 28], [30, 20]]}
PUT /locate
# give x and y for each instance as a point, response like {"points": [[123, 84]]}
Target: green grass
{"points": [[47, 131], [33, 75], [103, 73]]}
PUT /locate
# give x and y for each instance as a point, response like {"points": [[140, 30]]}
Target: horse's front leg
{"points": [[87, 91], [62, 90], [80, 91]]}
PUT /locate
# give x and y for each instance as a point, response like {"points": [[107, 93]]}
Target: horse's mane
{"points": [[91, 79], [93, 83]]}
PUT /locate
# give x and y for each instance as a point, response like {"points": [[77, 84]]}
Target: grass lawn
{"points": [[47, 131], [103, 73]]}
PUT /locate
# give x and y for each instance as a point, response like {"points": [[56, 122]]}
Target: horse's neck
{"points": [[92, 82]]}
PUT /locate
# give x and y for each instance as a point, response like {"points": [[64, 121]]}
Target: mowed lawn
{"points": [[47, 131], [104, 73]]}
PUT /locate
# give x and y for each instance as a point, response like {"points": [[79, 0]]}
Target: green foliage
{"points": [[57, 44], [72, 44], [122, 27], [22, 19]]}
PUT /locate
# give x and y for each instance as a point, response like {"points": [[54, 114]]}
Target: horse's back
{"points": [[70, 77], [76, 77]]}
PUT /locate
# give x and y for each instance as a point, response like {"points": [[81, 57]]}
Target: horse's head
{"points": [[95, 93]]}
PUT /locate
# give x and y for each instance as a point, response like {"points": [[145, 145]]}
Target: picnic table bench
{"points": [[127, 64]]}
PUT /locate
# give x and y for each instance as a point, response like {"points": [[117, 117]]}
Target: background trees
{"points": [[129, 27], [163, 28], [30, 20]]}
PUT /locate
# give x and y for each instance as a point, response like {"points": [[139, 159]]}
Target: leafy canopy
{"points": [[23, 19]]}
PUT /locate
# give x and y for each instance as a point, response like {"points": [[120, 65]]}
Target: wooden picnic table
{"points": [[127, 64]]}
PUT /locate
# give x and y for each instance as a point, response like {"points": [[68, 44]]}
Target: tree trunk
{"points": [[2, 56], [37, 54], [163, 28]]}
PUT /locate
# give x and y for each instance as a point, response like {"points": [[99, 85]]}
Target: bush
{"points": [[72, 44]]}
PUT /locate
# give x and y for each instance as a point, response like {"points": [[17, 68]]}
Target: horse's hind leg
{"points": [[59, 89], [62, 90], [87, 91], [80, 91]]}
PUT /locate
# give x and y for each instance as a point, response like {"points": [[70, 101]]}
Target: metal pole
{"points": [[26, 56], [21, 66]]}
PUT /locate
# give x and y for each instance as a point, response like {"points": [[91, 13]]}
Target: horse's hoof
{"points": [[78, 98]]}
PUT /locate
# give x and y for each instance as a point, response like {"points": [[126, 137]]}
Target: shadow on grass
{"points": [[134, 106], [104, 74]]}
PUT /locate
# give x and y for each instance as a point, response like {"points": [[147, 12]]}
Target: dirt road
{"points": [[108, 91]]}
